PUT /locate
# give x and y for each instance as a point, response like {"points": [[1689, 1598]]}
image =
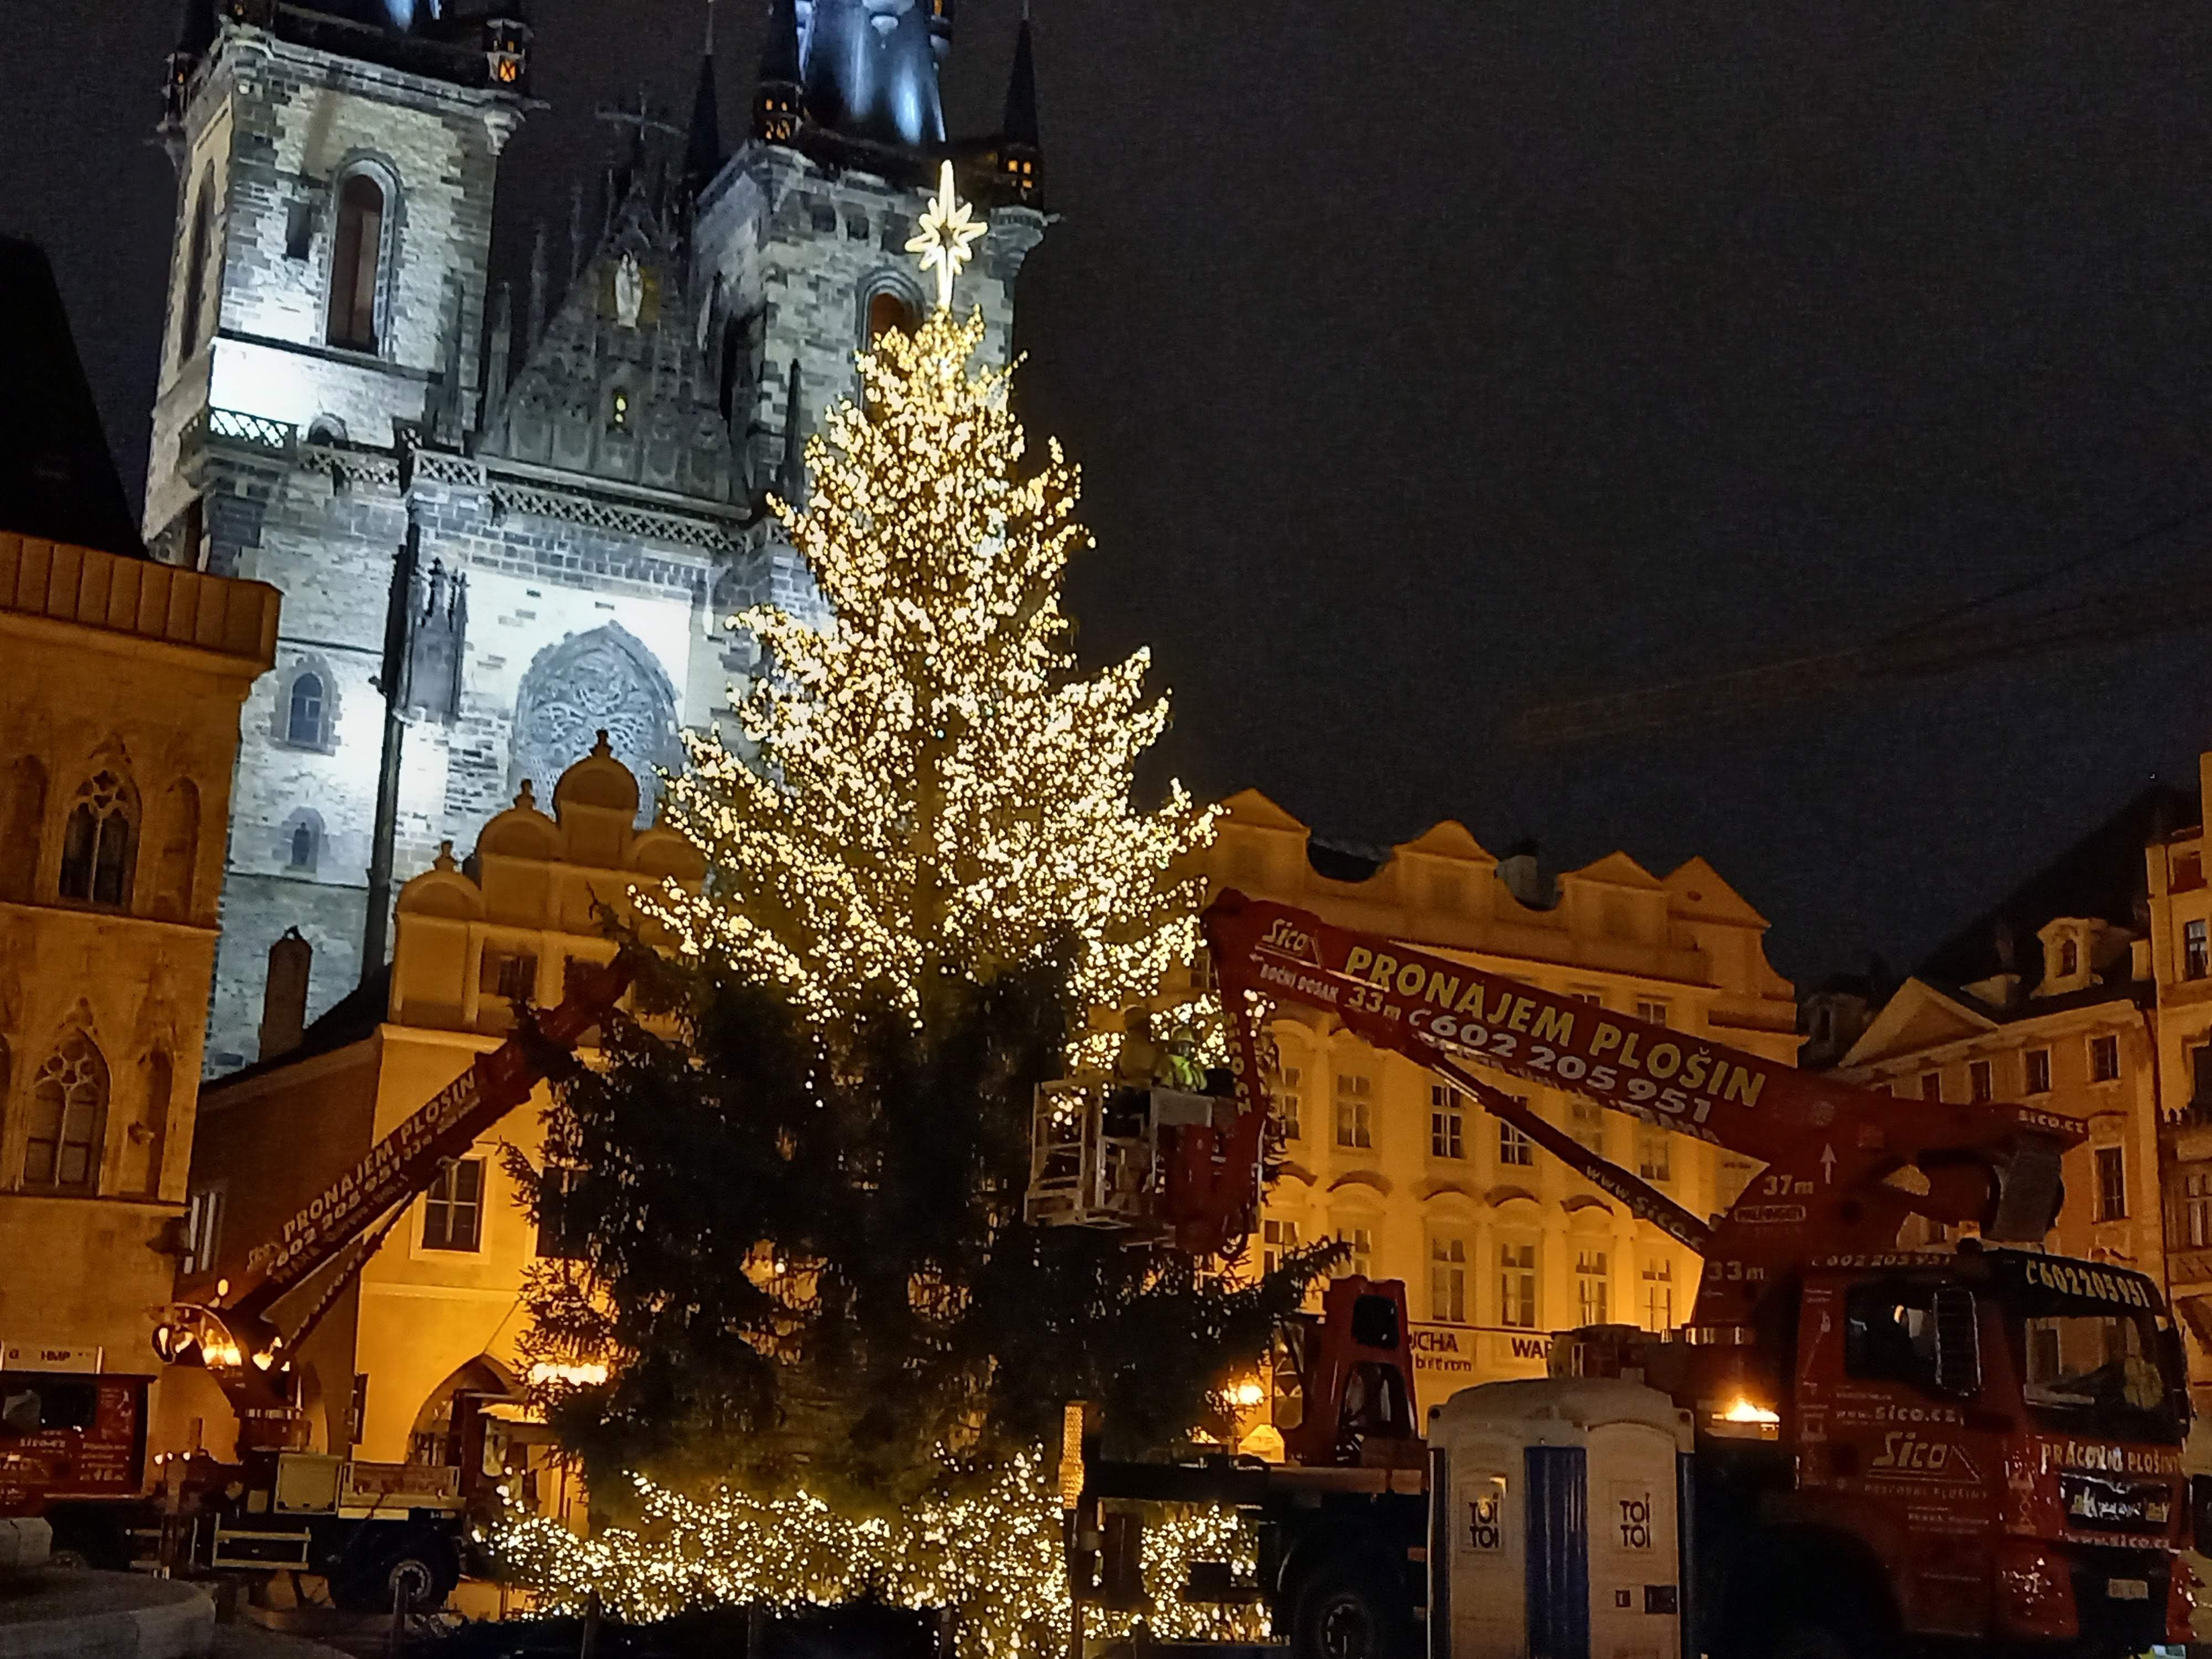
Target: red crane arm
{"points": [[405, 1162], [1846, 1165]]}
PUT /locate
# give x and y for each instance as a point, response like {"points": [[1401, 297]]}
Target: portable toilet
{"points": [[1558, 1512]]}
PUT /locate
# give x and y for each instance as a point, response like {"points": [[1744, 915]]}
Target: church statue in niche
{"points": [[629, 290], [604, 680]]}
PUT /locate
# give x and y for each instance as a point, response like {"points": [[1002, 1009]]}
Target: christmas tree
{"points": [[794, 1189]]}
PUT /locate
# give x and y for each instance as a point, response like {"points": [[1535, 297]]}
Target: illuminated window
{"points": [[1514, 1147], [1516, 1285], [2104, 1058], [1447, 1279], [100, 844], [2195, 951], [1288, 1102], [619, 412], [1355, 1111], [452, 1210], [2036, 1062], [2111, 1184], [1447, 1121], [68, 1118], [356, 256], [1592, 1284], [1659, 1296], [1980, 1084]]}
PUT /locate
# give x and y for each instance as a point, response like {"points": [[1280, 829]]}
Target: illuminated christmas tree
{"points": [[795, 1197], [939, 794]]}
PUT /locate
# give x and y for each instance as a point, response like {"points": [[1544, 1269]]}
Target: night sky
{"points": [[1433, 358]]}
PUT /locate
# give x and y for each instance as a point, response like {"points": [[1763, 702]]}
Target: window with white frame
{"points": [[2104, 1058], [2197, 1211], [2111, 1184], [1279, 1237], [1652, 1010], [2036, 1064], [1654, 1153], [1514, 1149], [1592, 1284], [1448, 1278], [2195, 951], [1355, 1110], [1516, 1284], [1289, 1102], [1447, 1121], [1658, 1294], [1359, 1258], [452, 1210]]}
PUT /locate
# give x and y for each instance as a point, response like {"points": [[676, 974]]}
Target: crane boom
{"points": [[225, 1322], [1845, 1166]]}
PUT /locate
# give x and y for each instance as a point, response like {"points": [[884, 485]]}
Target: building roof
{"points": [[2100, 877], [57, 477]]}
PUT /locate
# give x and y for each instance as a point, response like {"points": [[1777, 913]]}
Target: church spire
{"points": [[703, 158], [1021, 152], [776, 98]]}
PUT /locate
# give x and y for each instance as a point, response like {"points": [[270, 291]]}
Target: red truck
{"points": [[1895, 1448]]}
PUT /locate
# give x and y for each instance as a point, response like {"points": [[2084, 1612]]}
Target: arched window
{"points": [[100, 848], [22, 817], [303, 720], [68, 1118], [197, 255], [356, 257], [2069, 958], [888, 310], [303, 847]]}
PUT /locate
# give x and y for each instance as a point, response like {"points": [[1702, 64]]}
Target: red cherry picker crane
{"points": [[1895, 1448], [379, 1533]]}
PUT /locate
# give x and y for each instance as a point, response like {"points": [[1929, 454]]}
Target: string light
{"points": [[995, 1556], [937, 793]]}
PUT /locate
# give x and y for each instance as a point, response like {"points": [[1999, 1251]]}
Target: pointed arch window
{"points": [[887, 310], [68, 1118], [99, 847], [356, 257], [197, 256], [303, 720]]}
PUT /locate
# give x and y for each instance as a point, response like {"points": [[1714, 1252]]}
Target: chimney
{"points": [[284, 1002]]}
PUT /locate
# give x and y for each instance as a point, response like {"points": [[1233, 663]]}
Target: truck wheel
{"points": [[418, 1571], [1343, 1613]]}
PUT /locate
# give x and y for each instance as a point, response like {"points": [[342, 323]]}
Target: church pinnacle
{"points": [[703, 157]]}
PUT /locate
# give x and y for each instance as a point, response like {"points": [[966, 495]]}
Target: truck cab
{"points": [[1984, 1445]]}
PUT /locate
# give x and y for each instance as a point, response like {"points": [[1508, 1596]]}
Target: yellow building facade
{"points": [[2179, 952], [1498, 1243], [438, 1309], [120, 685]]}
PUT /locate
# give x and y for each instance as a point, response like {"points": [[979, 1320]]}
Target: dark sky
{"points": [[1432, 357]]}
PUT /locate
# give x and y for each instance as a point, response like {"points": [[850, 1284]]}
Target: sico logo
{"points": [[1903, 1452], [1287, 938]]}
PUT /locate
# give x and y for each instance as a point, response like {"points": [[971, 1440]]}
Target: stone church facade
{"points": [[564, 490]]}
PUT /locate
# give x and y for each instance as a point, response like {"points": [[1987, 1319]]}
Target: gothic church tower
{"points": [[526, 518]]}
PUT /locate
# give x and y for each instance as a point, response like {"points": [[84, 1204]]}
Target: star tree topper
{"points": [[945, 240]]}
